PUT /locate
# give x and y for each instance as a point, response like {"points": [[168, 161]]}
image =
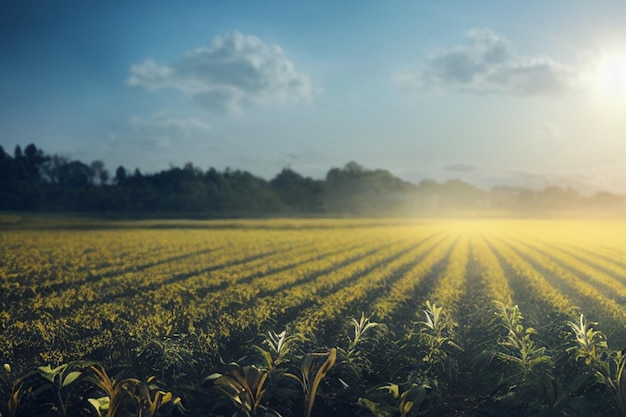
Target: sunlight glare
{"points": [[610, 76]]}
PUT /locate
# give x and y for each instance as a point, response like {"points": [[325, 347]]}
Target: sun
{"points": [[609, 76]]}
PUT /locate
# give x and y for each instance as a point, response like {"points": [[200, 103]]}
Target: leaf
{"points": [[319, 375], [578, 382], [292, 376], [71, 377], [101, 404], [267, 356], [166, 397], [212, 377], [49, 373], [45, 370], [377, 409], [243, 386], [393, 389], [41, 389], [406, 408], [14, 399]]}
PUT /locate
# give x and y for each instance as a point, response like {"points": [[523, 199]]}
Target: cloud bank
{"points": [[235, 72], [490, 64]]}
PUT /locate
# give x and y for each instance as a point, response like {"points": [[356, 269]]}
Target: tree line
{"points": [[31, 180]]}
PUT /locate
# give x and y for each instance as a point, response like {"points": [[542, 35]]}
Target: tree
{"points": [[99, 172], [297, 192], [5, 164], [76, 175], [35, 159], [120, 175]]}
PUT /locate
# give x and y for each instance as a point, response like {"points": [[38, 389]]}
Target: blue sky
{"points": [[522, 93]]}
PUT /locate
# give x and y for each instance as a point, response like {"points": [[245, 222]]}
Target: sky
{"points": [[526, 94]]}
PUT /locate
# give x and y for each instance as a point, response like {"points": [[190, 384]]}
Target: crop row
{"points": [[73, 294]]}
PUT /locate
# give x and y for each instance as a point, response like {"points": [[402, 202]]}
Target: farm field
{"points": [[176, 300]]}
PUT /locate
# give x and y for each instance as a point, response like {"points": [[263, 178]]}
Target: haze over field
{"points": [[530, 94]]}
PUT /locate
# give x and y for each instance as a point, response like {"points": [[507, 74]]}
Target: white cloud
{"points": [[149, 75], [491, 65], [234, 72]]}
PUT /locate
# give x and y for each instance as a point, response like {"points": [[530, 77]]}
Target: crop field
{"points": [[385, 317]]}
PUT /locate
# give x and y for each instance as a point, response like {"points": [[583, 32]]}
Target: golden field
{"points": [[120, 289], [227, 276]]}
